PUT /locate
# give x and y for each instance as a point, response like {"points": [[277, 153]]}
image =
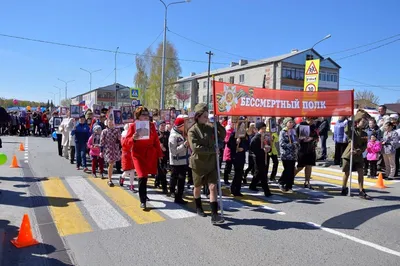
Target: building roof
{"points": [[395, 107], [254, 64], [112, 87]]}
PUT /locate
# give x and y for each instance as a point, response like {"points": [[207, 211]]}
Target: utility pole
{"points": [[115, 66], [208, 79]]}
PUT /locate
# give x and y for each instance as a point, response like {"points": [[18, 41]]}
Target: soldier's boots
{"points": [[199, 208]]}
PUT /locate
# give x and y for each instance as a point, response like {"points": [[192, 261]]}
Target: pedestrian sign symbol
{"points": [[134, 93], [312, 70]]}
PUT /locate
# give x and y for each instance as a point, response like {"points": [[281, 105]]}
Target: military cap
{"points": [[201, 108]]}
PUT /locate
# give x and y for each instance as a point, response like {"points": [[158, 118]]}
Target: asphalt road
{"points": [[80, 221]]}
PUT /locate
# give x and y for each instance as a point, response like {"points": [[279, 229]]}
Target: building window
{"points": [[289, 73], [221, 79], [322, 76], [232, 79], [241, 78], [299, 74], [204, 84]]}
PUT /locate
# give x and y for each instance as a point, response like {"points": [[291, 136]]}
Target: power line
{"points": [[370, 85], [158, 36], [364, 45], [208, 46], [103, 50], [358, 85], [368, 50]]}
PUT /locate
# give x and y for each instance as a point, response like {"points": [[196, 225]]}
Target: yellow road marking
{"points": [[129, 204], [66, 214]]}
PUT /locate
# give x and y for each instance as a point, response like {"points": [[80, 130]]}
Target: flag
{"points": [[82, 103]]}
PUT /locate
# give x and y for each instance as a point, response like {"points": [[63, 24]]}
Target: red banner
{"points": [[238, 100]]}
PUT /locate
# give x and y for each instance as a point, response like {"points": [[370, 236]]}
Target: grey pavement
{"points": [[308, 229]]}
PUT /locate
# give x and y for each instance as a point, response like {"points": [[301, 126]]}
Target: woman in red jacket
{"points": [[126, 161], [145, 152]]}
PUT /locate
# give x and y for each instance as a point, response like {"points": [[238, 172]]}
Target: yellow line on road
{"points": [[127, 202], [66, 214]]}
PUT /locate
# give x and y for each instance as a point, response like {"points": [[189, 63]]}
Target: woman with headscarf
{"points": [[390, 142], [288, 146], [109, 141], [146, 153]]}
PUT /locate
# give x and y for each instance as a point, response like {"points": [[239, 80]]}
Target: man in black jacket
{"points": [[258, 154], [323, 129]]}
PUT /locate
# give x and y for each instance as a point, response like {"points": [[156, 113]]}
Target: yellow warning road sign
{"points": [[311, 75]]}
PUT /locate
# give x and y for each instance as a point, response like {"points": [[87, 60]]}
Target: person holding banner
{"points": [[203, 160], [360, 142], [258, 150]]}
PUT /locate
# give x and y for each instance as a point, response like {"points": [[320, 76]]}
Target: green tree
{"points": [[141, 79], [48, 104], [150, 70], [51, 104], [66, 102]]}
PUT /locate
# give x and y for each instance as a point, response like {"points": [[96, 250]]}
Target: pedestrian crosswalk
{"points": [[81, 204]]}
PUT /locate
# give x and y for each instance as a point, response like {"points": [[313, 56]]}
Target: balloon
{"points": [[28, 108], [15, 101], [298, 120], [54, 135], [3, 158]]}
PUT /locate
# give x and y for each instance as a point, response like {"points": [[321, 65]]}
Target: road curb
{"points": [[2, 240]]}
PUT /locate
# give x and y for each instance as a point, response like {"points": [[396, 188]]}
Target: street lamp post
{"points": [[66, 86], [162, 101], [311, 57], [90, 73], [59, 94]]}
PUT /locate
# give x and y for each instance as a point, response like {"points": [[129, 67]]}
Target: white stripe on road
{"points": [[105, 216], [26, 161], [357, 240], [274, 210], [167, 206], [354, 180]]}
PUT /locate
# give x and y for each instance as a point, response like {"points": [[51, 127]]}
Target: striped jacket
{"points": [[178, 152]]}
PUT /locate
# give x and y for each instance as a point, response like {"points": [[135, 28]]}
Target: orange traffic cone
{"points": [[379, 182], [21, 147], [14, 163], [25, 238]]}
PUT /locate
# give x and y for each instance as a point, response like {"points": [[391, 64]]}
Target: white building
{"points": [[111, 95], [284, 72]]}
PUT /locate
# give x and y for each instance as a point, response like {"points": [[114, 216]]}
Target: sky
{"points": [[254, 29]]}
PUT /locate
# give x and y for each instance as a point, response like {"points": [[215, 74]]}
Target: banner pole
{"points": [[351, 154], [218, 169], [221, 206], [352, 145]]}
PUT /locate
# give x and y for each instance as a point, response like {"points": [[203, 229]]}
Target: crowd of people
{"points": [[192, 153]]}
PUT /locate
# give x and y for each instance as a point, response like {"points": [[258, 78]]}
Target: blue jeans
{"points": [[80, 151]]}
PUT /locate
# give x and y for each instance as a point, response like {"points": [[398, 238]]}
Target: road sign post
{"points": [[311, 75]]}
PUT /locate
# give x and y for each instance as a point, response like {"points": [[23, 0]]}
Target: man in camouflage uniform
{"points": [[203, 160], [360, 144]]}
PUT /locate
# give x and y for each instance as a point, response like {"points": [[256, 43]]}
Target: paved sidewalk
{"points": [[15, 201]]}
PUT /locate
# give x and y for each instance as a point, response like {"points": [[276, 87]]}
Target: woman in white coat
{"points": [[66, 127]]}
